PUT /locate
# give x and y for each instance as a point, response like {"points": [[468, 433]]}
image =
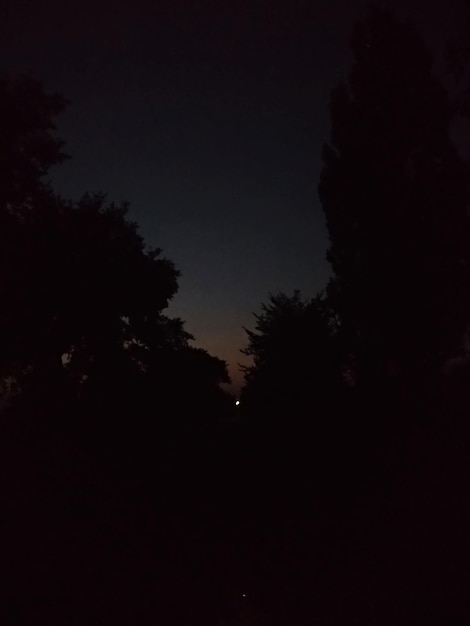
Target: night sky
{"points": [[209, 118]]}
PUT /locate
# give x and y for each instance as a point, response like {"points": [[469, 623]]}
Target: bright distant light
{"points": [[237, 402]]}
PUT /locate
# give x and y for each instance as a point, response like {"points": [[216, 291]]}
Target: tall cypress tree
{"points": [[394, 193]]}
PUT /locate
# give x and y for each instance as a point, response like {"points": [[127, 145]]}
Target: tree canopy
{"points": [[294, 365], [82, 297], [395, 195], [28, 146]]}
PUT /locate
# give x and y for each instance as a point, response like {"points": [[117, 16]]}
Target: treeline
{"points": [[385, 346], [341, 496], [82, 322], [107, 408], [359, 397]]}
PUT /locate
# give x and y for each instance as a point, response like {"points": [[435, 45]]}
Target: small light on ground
{"points": [[237, 402]]}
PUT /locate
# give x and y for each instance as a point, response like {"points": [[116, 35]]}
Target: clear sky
{"points": [[209, 118]]}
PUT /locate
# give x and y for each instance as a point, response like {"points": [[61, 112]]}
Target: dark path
{"points": [[221, 527]]}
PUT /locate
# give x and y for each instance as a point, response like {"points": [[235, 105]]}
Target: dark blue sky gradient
{"points": [[209, 119]]}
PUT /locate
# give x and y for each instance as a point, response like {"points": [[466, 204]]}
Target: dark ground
{"points": [[227, 526]]}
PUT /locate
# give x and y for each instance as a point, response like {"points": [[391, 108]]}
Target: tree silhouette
{"points": [[190, 379], [80, 287], [457, 61], [394, 192], [295, 366], [28, 149], [28, 146], [81, 294]]}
